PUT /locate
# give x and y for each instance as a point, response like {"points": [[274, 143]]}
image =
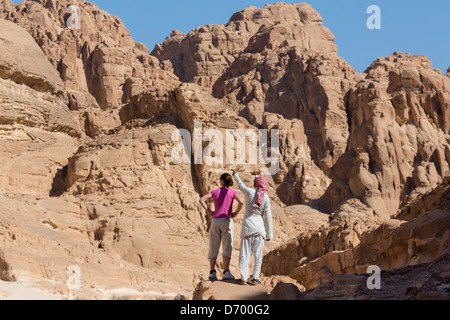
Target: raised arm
{"points": [[203, 202], [242, 186], [268, 223]]}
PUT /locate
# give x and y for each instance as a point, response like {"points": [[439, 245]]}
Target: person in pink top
{"points": [[222, 226]]}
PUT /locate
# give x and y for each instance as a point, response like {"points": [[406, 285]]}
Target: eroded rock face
{"points": [[299, 180], [285, 63], [413, 81], [333, 261], [397, 145], [422, 282], [204, 54], [32, 92], [368, 135], [100, 64], [394, 245], [37, 235], [297, 84], [279, 59], [438, 198], [135, 171], [316, 257], [315, 243], [229, 291], [86, 124], [37, 131]]}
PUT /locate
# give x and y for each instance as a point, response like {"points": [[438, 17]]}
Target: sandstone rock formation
{"points": [[439, 198], [393, 245], [33, 94], [399, 136], [422, 282], [35, 121], [312, 244], [278, 59], [281, 70], [204, 54], [87, 119], [100, 64], [229, 291]]}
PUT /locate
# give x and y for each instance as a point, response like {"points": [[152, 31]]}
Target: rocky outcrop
{"points": [[37, 130], [422, 282], [204, 54], [230, 291], [101, 66], [397, 145], [284, 61], [297, 181], [260, 72], [277, 70], [392, 246], [42, 239], [87, 119], [428, 281], [285, 292], [314, 243], [323, 261], [298, 84], [131, 168], [32, 94], [439, 198]]}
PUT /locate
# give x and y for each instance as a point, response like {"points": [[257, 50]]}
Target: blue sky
{"points": [[419, 27]]}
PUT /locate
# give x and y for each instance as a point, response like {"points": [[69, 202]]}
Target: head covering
{"points": [[261, 185]]}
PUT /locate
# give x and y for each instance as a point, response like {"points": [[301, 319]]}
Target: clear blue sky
{"points": [[419, 27]]}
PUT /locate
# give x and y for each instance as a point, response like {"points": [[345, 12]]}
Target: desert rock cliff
{"points": [[86, 124]]}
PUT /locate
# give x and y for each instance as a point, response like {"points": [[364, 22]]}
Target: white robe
{"points": [[257, 221]]}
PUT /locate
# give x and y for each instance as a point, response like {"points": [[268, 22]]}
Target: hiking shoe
{"points": [[228, 276], [213, 276], [254, 282], [242, 282]]}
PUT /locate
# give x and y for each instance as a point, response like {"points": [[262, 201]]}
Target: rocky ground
{"points": [[88, 179], [420, 282], [16, 291]]}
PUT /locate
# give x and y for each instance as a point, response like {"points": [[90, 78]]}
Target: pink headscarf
{"points": [[261, 184]]}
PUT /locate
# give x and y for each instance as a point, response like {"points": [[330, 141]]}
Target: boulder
{"points": [[32, 93], [231, 291]]}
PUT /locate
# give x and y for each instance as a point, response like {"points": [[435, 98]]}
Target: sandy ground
{"points": [[22, 291], [28, 290]]}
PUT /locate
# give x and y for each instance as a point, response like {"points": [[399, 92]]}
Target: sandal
{"points": [[254, 282], [241, 282]]}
